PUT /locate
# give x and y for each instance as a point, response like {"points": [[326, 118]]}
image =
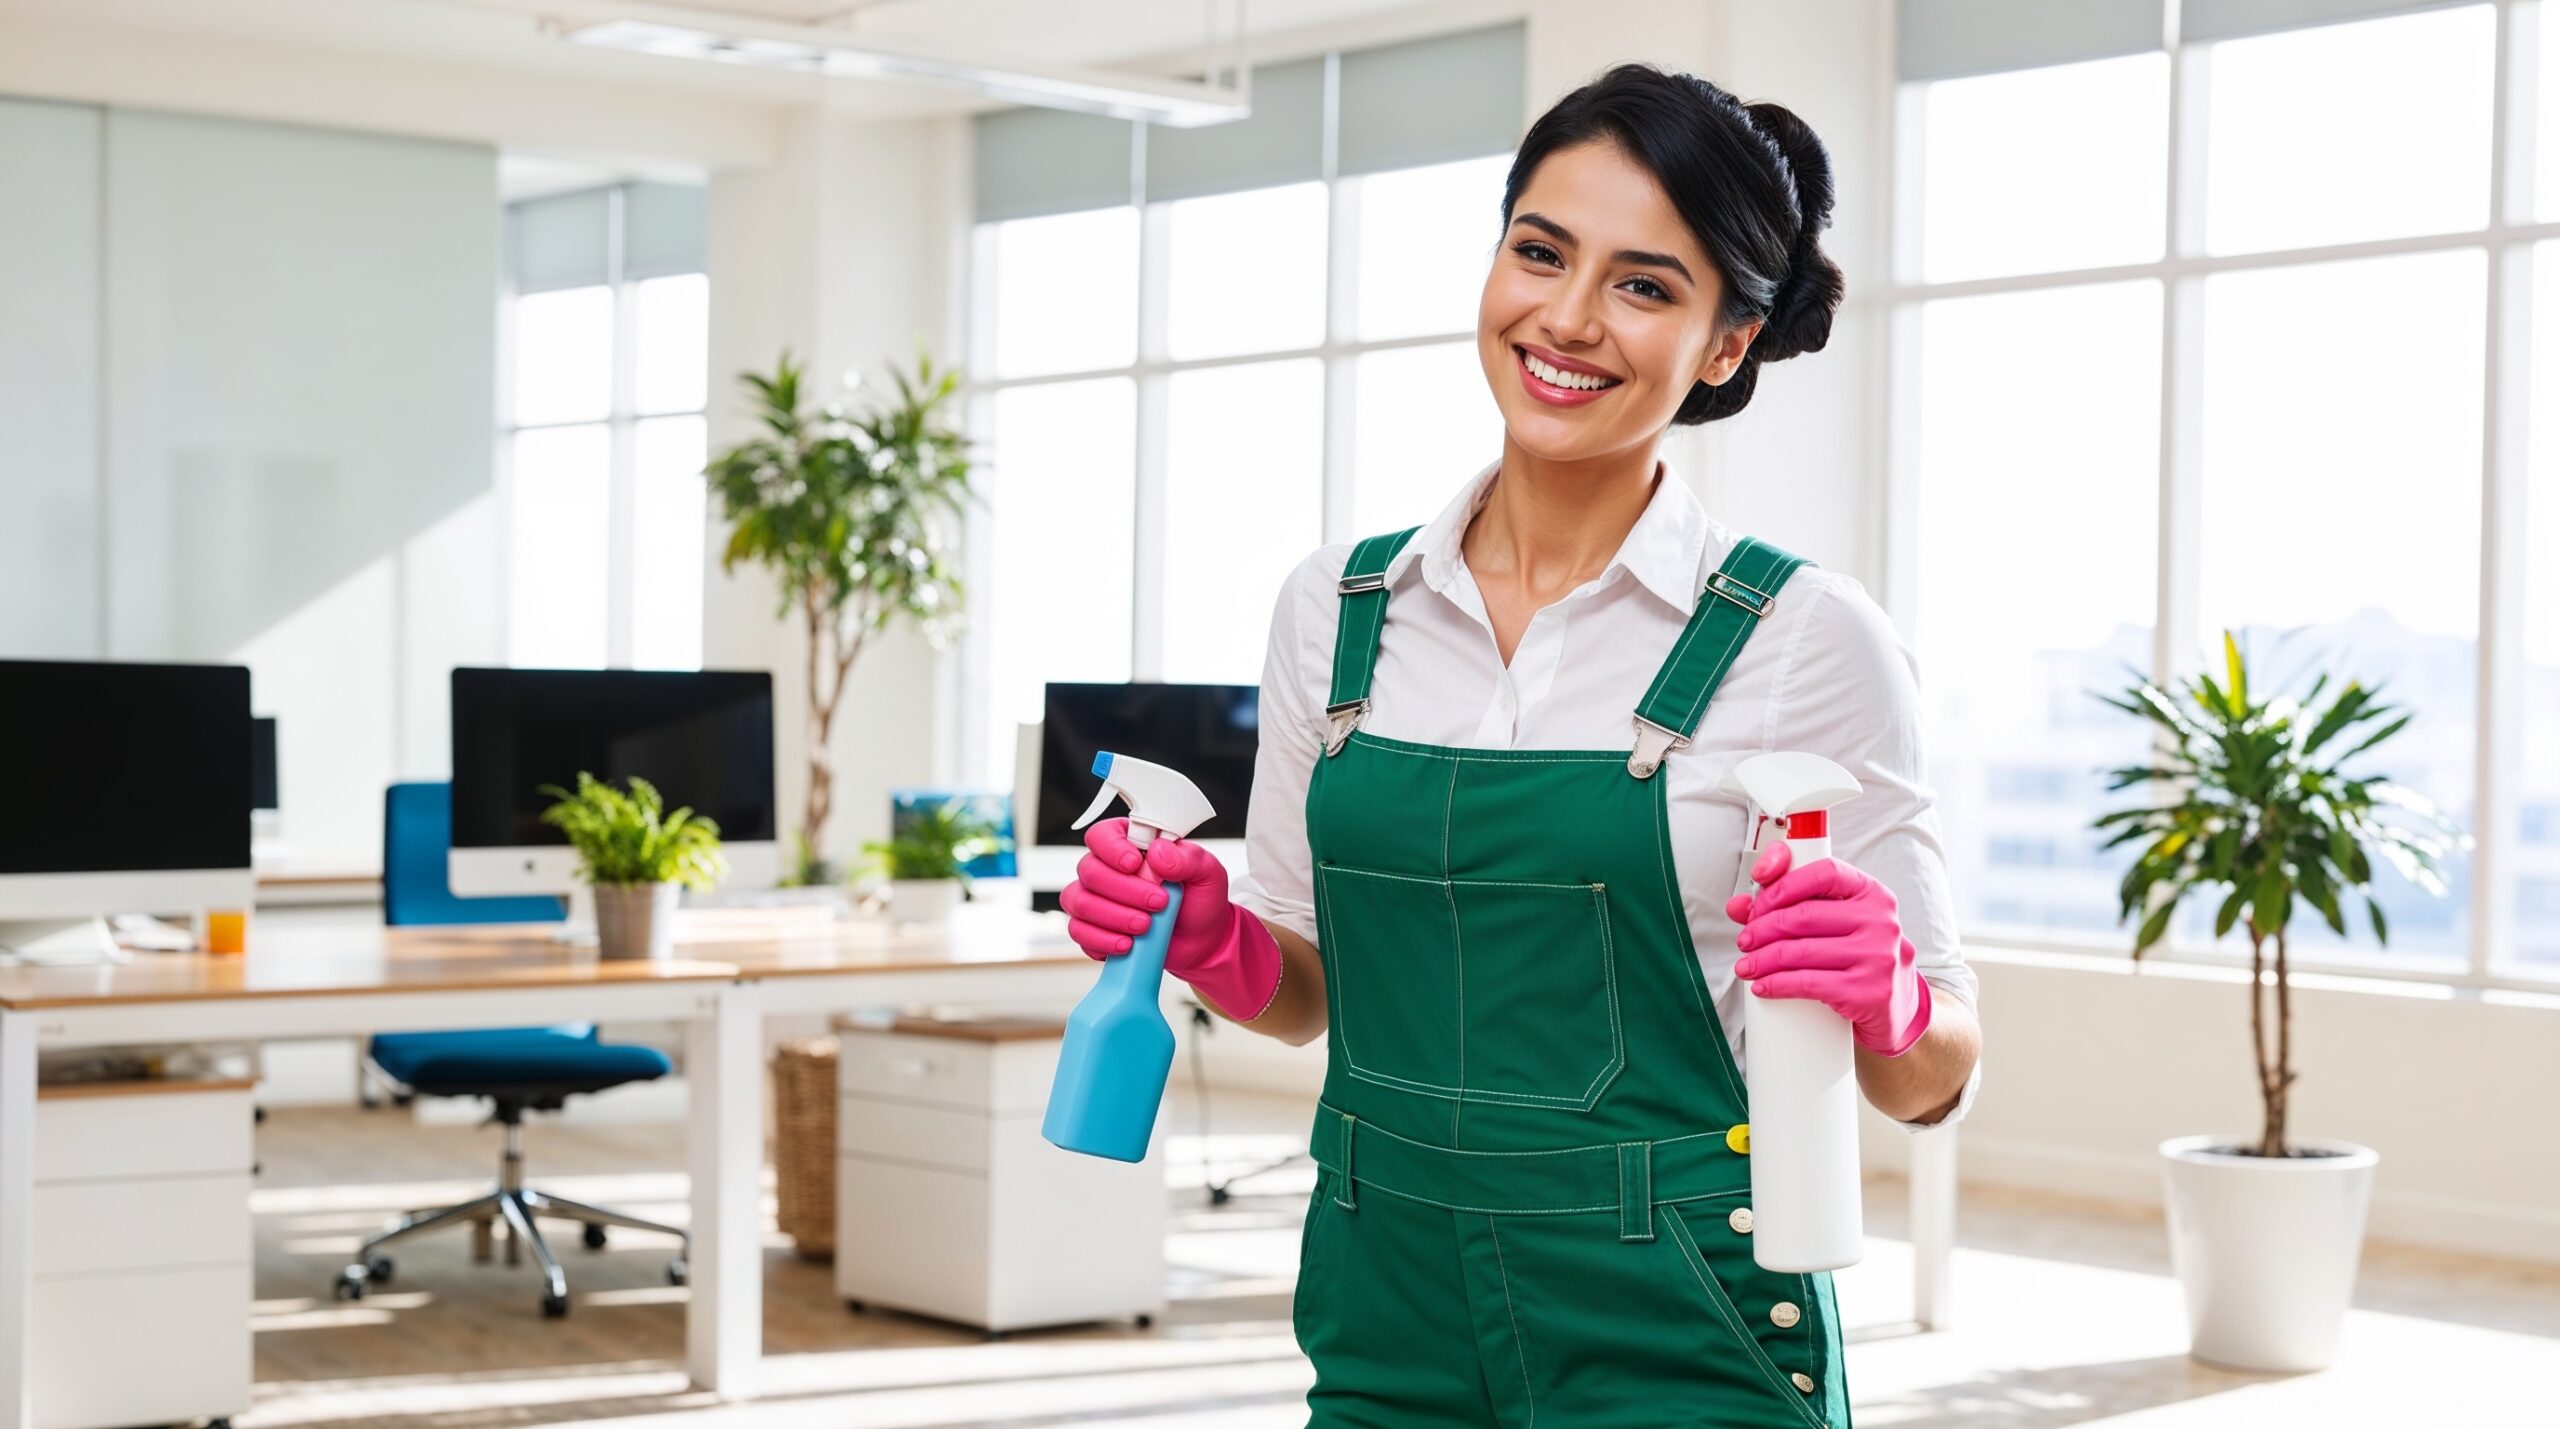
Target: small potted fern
{"points": [[636, 856], [2253, 806], [923, 861]]}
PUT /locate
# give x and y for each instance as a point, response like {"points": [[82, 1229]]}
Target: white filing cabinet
{"points": [[948, 1201], [142, 1253]]}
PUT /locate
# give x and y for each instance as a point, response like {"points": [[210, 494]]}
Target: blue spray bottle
{"points": [[1118, 1047]]}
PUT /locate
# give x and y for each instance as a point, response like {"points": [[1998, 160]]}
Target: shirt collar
{"points": [[1662, 550]]}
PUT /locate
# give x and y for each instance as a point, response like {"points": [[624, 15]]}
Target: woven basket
{"points": [[804, 1144]]}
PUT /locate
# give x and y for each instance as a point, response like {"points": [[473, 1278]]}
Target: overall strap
{"points": [[1738, 594], [1355, 647]]}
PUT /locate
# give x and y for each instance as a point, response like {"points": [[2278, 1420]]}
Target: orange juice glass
{"points": [[226, 930]]}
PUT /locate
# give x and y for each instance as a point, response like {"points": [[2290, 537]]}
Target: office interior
{"points": [[361, 363]]}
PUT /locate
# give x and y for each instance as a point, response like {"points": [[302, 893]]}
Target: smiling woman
{"points": [[1520, 936]]}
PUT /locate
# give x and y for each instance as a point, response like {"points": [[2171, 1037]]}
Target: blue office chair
{"points": [[518, 1069]]}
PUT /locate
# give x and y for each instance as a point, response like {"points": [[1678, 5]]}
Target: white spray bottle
{"points": [[1799, 1061], [1118, 1047]]}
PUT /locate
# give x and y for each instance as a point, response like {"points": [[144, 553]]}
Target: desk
{"points": [[322, 981]]}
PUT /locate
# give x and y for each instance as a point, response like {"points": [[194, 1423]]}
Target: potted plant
{"points": [[2265, 1231], [636, 856], [923, 862], [841, 504]]}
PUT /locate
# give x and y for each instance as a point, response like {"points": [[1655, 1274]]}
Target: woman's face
{"points": [[1598, 276]]}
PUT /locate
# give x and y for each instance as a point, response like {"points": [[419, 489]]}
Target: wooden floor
{"points": [[2065, 1313]]}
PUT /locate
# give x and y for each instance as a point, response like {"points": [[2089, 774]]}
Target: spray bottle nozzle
{"points": [[1160, 799]]}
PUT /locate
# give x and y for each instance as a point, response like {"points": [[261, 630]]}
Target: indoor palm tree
{"points": [[844, 504]]}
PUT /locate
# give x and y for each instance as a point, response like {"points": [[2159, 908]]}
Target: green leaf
{"points": [[2270, 902], [2153, 926], [2229, 912]]}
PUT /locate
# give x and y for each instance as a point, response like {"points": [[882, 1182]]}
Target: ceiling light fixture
{"points": [[723, 38]]}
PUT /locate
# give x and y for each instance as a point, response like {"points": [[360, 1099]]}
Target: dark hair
{"points": [[1754, 184]]}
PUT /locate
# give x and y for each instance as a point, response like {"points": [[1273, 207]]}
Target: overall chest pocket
{"points": [[1479, 990]]}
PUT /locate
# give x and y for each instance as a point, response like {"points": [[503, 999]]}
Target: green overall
{"points": [[1532, 1196]]}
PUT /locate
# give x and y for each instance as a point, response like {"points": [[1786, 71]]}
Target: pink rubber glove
{"points": [[1831, 933], [1223, 951]]}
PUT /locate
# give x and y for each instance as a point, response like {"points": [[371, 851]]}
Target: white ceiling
{"points": [[1145, 35]]}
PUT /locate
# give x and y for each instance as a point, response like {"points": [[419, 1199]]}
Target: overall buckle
{"points": [[1340, 720], [1653, 744], [1724, 585]]}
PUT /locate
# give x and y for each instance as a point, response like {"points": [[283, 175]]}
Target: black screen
{"points": [[705, 738], [123, 768], [262, 762], [1207, 732]]}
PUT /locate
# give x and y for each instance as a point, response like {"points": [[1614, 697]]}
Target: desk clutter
{"points": [[947, 1202]]}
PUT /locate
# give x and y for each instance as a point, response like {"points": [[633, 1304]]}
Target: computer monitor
{"points": [[128, 792], [262, 763], [703, 737], [993, 808], [1209, 732]]}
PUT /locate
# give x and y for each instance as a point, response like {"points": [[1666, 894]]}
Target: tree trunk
{"points": [[2258, 1030], [822, 713], [2282, 1093], [831, 652]]}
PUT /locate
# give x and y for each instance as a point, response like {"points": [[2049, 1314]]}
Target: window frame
{"points": [[2507, 241], [622, 421], [1339, 350]]}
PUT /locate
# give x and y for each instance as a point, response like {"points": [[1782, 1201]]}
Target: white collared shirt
{"points": [[1825, 672]]}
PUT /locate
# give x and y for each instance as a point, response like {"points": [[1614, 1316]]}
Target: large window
{"points": [[1188, 379], [2234, 329], [606, 360]]}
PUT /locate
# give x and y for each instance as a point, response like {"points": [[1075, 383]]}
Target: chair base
{"points": [[516, 1207]]}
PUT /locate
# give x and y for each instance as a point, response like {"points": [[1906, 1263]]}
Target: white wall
{"points": [[286, 460], [2090, 1064], [49, 352]]}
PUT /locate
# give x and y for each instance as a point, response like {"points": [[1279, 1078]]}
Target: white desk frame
{"points": [[724, 1120]]}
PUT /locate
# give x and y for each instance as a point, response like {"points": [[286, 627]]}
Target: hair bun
{"points": [[1800, 311]]}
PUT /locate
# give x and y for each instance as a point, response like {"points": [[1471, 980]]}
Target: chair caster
{"points": [[1146, 1322], [593, 1236], [677, 1270], [379, 1269], [350, 1284], [555, 1307]]}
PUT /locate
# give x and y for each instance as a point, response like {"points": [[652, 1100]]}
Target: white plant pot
{"points": [[924, 901], [635, 921], [2266, 1247]]}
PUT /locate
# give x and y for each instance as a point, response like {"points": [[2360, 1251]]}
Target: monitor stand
{"points": [[59, 942], [579, 923]]}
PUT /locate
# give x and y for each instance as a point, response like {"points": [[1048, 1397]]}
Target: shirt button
{"points": [[1803, 1381], [1784, 1315], [1740, 1220]]}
